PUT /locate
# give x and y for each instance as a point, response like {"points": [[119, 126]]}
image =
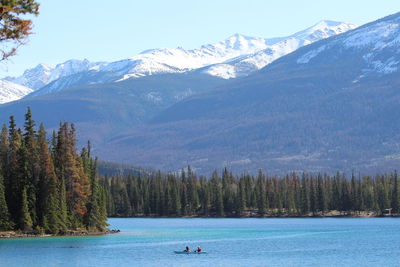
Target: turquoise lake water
{"points": [[229, 242]]}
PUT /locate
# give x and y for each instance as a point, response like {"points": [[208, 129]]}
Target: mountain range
{"points": [[331, 105], [319, 105], [236, 56]]}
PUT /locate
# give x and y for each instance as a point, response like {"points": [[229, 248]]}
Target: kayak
{"points": [[191, 252]]}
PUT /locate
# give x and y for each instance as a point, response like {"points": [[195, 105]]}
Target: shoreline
{"points": [[71, 233], [331, 214]]}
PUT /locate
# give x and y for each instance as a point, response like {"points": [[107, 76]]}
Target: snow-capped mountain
{"points": [[10, 91], [246, 65], [149, 62], [236, 56], [43, 74], [378, 42], [166, 60], [71, 67], [34, 78]]}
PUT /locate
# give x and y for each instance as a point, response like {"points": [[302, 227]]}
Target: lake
{"points": [[228, 242]]}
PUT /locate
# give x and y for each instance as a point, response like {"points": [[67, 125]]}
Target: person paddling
{"points": [[187, 249], [198, 250]]}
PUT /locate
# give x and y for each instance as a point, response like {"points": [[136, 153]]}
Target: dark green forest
{"points": [[46, 186], [186, 194]]}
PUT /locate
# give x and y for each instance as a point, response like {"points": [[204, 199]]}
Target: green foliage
{"points": [[395, 193], [5, 220], [25, 220], [185, 194], [48, 188]]}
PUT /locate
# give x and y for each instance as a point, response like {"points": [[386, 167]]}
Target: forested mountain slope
{"points": [[327, 106]]}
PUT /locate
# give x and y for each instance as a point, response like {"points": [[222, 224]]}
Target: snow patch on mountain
{"points": [[154, 97], [323, 29], [309, 55], [384, 67], [10, 91], [389, 66], [260, 59], [379, 35], [43, 74], [71, 67], [140, 68], [34, 78], [184, 94], [378, 44], [177, 60], [224, 71]]}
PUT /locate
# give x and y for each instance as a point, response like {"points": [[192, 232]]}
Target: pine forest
{"points": [[186, 194], [47, 187]]}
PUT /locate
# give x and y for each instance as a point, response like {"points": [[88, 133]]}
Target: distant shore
{"points": [[251, 214], [20, 234]]}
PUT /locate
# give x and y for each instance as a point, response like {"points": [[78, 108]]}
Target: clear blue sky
{"points": [[102, 30]]}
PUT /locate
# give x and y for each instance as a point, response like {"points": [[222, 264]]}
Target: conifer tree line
{"points": [[48, 187], [186, 194]]}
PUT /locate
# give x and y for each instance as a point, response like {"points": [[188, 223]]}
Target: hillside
{"points": [[327, 106], [103, 110]]}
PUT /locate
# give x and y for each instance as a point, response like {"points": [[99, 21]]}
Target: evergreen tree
{"points": [[49, 204], [367, 193], [102, 221], [13, 181], [25, 220], [321, 195], [5, 220], [193, 197], [313, 198], [32, 164], [4, 146], [241, 198], [63, 215], [261, 195], [335, 203], [205, 196], [346, 203], [354, 193], [218, 202], [290, 194], [304, 197], [395, 194], [184, 194]]}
